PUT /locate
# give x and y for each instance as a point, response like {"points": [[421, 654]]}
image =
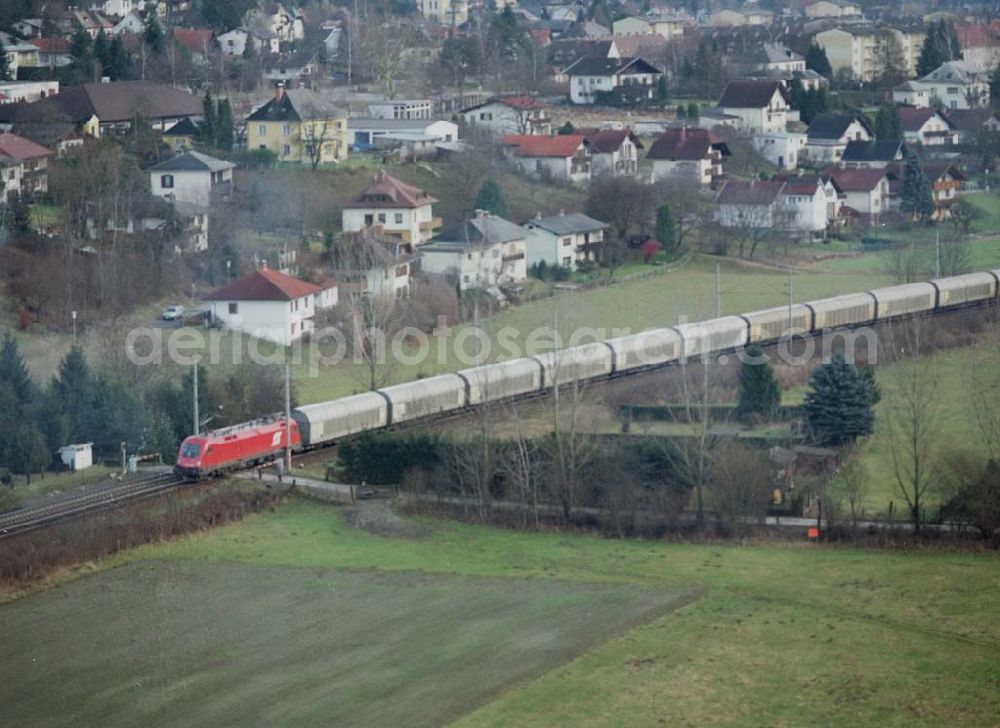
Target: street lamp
{"points": [[73, 315]]}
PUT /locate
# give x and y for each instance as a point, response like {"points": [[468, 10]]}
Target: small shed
{"points": [[77, 457]]}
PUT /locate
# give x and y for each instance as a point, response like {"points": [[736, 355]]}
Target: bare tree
{"points": [[691, 208], [314, 139], [741, 484], [518, 461], [854, 487], [383, 50], [912, 416]]}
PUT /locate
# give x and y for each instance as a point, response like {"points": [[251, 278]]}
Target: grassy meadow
{"points": [[307, 609]]}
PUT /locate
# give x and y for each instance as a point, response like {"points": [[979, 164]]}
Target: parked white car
{"points": [[172, 313]]}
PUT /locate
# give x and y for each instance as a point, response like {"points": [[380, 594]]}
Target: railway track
{"points": [[29, 519]]}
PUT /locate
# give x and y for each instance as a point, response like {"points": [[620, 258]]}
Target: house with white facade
{"points": [[11, 172], [401, 210], [954, 85], [483, 252], [776, 57], [449, 13], [234, 42], [969, 123], [749, 204], [813, 204], [691, 154], [191, 177], [829, 133], [287, 25], [781, 148], [510, 115], [115, 8], [613, 152], [760, 106], [562, 158], [865, 190], [401, 109], [736, 18], [267, 304], [33, 160], [632, 78], [855, 47], [19, 53], [564, 239], [830, 9], [365, 133], [372, 263], [669, 26], [925, 126], [980, 44]]}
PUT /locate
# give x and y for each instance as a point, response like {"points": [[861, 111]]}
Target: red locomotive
{"points": [[239, 446]]}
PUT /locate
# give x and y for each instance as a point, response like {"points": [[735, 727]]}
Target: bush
{"points": [[384, 458], [256, 158]]}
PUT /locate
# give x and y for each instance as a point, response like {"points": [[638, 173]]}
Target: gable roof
{"points": [[19, 148], [264, 285], [955, 72], [563, 52], [54, 44], [832, 125], [196, 40], [913, 119], [484, 229], [884, 150], [610, 67], [565, 224], [537, 145], [749, 192], [751, 94], [685, 144], [297, 105], [192, 162], [185, 127], [117, 101], [801, 185], [935, 169], [387, 191], [857, 179], [635, 45], [606, 141], [969, 119]]}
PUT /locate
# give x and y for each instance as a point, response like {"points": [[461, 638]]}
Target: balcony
{"points": [[432, 224], [514, 257]]}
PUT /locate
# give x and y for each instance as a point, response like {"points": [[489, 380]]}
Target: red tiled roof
{"points": [[684, 144], [264, 285], [387, 191], [976, 36], [528, 145], [19, 148], [855, 180], [196, 40], [805, 185], [51, 45]]}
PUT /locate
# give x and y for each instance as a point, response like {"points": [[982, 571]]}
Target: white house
{"points": [[274, 17], [780, 148], [115, 8], [234, 42], [131, 22], [613, 151], [19, 53], [633, 78], [925, 126], [688, 154], [812, 204], [954, 85], [510, 115], [483, 252], [749, 204], [403, 211], [564, 240], [829, 133], [776, 57], [865, 190], [667, 26], [363, 132], [450, 13], [269, 305], [77, 457], [563, 158], [191, 177], [12, 173], [828, 9], [374, 263], [760, 106]]}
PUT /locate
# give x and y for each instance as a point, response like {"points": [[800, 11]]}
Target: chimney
{"points": [[482, 214], [279, 90], [262, 264]]}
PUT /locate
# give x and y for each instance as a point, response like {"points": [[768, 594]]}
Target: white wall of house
{"points": [[622, 161], [583, 88], [807, 213], [774, 117], [695, 170], [870, 203], [782, 149], [12, 173], [483, 266], [501, 119], [187, 186], [746, 215], [953, 95], [934, 132], [411, 225], [280, 321], [562, 169], [831, 150], [565, 250]]}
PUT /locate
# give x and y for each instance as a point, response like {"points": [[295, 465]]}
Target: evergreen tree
{"points": [[693, 111], [566, 129], [14, 373], [152, 33], [887, 126], [760, 393], [17, 215], [491, 198], [224, 131], [917, 198], [940, 45], [27, 451], [72, 388], [995, 86], [817, 61], [119, 59], [80, 47], [839, 403], [666, 229], [208, 129], [102, 52], [661, 92], [681, 111]]}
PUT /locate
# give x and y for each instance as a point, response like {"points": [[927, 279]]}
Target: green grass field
{"points": [[781, 635], [223, 644]]}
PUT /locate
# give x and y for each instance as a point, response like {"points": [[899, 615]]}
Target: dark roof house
{"points": [[831, 125], [296, 105], [751, 94], [610, 67], [686, 144], [872, 152]]}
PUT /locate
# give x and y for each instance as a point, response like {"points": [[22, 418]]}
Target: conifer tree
{"points": [[917, 198], [839, 403], [817, 61], [491, 198], [224, 130], [666, 228], [208, 129], [887, 126], [760, 393]]}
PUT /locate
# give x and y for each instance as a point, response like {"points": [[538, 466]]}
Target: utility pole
{"points": [[197, 419], [73, 314], [288, 419], [789, 303], [937, 253], [718, 292]]}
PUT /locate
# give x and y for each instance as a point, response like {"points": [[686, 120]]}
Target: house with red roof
{"points": [[688, 154], [199, 42], [614, 152], [53, 51], [865, 190], [32, 158], [980, 44], [926, 126], [402, 210], [267, 304], [561, 158], [510, 115], [812, 201]]}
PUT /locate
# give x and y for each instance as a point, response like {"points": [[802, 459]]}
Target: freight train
{"points": [[324, 423]]}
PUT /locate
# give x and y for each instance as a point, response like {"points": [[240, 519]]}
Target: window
{"points": [[190, 450], [567, 241], [234, 308], [166, 181], [286, 150], [399, 218], [496, 253], [286, 129], [469, 256], [567, 261], [381, 217], [262, 129], [369, 220]]}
